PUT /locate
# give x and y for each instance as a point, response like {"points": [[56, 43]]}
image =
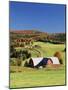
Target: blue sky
{"points": [[35, 16]]}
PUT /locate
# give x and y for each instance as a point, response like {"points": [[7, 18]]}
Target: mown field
{"points": [[28, 77]]}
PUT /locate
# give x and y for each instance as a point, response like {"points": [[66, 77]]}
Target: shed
{"points": [[41, 61], [55, 60]]}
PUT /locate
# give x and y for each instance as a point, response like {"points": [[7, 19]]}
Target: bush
{"points": [[59, 56], [19, 62], [22, 54], [26, 64], [13, 62]]}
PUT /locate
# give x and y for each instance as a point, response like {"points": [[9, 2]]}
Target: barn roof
{"points": [[55, 60], [37, 60]]}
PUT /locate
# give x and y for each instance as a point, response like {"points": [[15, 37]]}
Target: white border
{"points": [[4, 43], [44, 1]]}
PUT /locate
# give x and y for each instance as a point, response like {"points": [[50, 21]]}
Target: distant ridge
{"points": [[32, 32], [26, 31], [22, 31]]}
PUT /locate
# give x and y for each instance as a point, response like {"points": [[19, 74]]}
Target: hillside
{"points": [[38, 35]]}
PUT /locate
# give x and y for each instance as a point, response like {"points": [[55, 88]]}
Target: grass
{"points": [[28, 77], [48, 49], [33, 77]]}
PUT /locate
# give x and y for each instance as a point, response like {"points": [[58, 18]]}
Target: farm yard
{"points": [[31, 77]]}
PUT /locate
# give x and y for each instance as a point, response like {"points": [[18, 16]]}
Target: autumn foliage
{"points": [[59, 56]]}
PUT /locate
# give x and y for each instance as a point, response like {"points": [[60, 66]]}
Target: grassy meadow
{"points": [[28, 77], [33, 77]]}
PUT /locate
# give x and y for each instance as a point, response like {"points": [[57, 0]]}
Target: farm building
{"points": [[37, 62]]}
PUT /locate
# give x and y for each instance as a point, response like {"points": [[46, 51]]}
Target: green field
{"points": [[40, 77]]}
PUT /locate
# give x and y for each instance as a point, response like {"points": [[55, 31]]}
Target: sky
{"points": [[36, 16]]}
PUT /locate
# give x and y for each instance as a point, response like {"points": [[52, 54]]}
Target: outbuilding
{"points": [[41, 61]]}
